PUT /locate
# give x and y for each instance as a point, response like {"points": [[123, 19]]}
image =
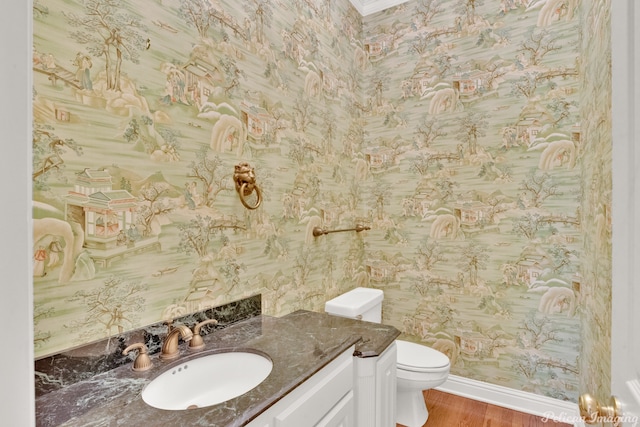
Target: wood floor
{"points": [[448, 410]]}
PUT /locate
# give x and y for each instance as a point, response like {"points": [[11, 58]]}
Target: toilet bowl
{"points": [[418, 367]]}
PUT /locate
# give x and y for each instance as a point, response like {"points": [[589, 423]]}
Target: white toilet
{"points": [[418, 367]]}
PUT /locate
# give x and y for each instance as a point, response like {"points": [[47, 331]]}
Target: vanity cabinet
{"points": [[348, 392], [316, 379], [326, 399], [375, 389]]}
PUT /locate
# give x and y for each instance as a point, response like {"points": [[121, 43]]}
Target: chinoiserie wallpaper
{"points": [[595, 297], [455, 130]]}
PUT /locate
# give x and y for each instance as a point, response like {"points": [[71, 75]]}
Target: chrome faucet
{"points": [[170, 345]]}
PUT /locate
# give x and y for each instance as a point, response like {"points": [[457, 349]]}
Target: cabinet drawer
{"points": [[322, 393]]}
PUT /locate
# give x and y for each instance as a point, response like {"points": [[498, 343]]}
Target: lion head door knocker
{"points": [[248, 191]]}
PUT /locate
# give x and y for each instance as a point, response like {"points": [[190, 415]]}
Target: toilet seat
{"points": [[419, 358]]}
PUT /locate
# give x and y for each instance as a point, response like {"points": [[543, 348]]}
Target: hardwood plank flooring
{"points": [[448, 410]]}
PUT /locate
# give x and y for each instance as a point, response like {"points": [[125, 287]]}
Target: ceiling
{"points": [[367, 7]]}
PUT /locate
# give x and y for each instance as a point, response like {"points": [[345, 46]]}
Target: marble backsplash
{"points": [[56, 371]]}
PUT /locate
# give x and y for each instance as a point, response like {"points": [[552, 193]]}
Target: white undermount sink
{"points": [[207, 380]]}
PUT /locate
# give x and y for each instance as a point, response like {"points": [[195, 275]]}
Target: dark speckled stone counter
{"points": [[299, 344]]}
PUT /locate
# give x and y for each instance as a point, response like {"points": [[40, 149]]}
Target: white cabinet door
{"points": [[386, 388], [375, 389], [318, 395], [342, 415], [326, 392]]}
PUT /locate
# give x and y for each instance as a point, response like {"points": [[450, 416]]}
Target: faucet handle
{"points": [[197, 342], [142, 361]]}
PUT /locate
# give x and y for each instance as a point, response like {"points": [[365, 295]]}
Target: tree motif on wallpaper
{"points": [[491, 305], [537, 333], [472, 128], [196, 235], [132, 132], [563, 258], [153, 203], [202, 14], [561, 109], [161, 143], [48, 150], [232, 73], [260, 12], [231, 270], [468, 9], [292, 287], [39, 9], [429, 254], [303, 113], [381, 192], [529, 225], [40, 337], [211, 179], [116, 306], [538, 187], [537, 46], [300, 151], [472, 260], [426, 10], [109, 33], [426, 134], [280, 124]]}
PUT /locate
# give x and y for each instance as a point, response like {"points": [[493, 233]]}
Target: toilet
{"points": [[418, 367]]}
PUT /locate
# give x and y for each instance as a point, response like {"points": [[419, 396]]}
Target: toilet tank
{"points": [[359, 303]]}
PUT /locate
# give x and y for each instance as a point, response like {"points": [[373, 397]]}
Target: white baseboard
{"points": [[517, 400]]}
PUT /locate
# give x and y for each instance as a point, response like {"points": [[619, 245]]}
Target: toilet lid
{"points": [[414, 357]]}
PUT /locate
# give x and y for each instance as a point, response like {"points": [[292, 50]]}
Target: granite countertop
{"points": [[299, 344]]}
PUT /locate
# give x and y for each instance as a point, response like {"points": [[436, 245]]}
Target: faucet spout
{"points": [[170, 345]]}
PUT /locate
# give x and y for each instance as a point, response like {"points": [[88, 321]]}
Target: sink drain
{"points": [[192, 407]]}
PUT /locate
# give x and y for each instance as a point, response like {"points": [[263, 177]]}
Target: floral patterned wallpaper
{"points": [[451, 128]]}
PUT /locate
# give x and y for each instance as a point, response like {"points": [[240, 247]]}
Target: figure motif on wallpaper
{"points": [[553, 10], [442, 100], [107, 29], [45, 229], [54, 252], [228, 134], [555, 152], [83, 74], [39, 258], [312, 82]]}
